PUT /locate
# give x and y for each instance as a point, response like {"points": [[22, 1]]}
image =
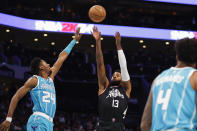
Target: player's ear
{"points": [[177, 58], [41, 67]]}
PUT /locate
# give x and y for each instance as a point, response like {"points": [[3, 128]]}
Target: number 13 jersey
{"points": [[174, 101], [44, 96], [113, 104]]}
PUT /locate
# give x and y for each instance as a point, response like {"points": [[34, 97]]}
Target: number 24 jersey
{"points": [[44, 96]]}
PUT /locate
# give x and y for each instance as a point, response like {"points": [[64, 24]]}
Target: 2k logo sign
{"points": [[69, 27], [86, 28]]}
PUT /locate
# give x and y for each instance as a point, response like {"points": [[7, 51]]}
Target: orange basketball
{"points": [[97, 13]]}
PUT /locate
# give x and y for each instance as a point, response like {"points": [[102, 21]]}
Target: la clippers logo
{"points": [[115, 93]]}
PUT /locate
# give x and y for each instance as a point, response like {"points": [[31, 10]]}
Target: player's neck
{"points": [[115, 83], [43, 75], [181, 64]]}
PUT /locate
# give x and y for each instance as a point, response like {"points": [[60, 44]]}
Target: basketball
{"points": [[97, 13]]}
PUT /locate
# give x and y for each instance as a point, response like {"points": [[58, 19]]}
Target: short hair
{"points": [[35, 63], [186, 50], [117, 70]]}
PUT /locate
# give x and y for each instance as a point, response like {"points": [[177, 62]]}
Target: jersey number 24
{"points": [[48, 97]]}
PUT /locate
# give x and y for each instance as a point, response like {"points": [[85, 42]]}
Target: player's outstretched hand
{"points": [[96, 34], [117, 36], [118, 40], [77, 34], [5, 126]]}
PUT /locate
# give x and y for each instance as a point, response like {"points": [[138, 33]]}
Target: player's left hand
{"points": [[77, 34], [117, 36], [96, 34], [118, 40], [5, 126]]}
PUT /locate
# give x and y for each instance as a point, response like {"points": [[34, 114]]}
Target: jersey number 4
{"points": [[48, 97], [164, 100]]}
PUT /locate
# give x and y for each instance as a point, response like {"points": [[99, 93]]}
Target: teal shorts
{"points": [[39, 123]]}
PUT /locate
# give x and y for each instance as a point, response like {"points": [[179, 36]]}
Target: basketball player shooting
{"points": [[113, 95], [42, 91], [171, 104]]}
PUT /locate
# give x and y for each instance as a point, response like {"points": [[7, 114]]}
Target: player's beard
{"points": [[115, 83]]}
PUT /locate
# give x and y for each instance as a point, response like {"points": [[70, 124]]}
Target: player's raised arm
{"points": [[64, 54], [123, 65], [102, 79], [29, 84]]}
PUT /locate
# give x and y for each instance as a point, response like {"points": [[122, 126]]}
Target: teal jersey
{"points": [[44, 96], [174, 101]]}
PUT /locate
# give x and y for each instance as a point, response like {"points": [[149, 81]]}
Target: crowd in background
{"points": [[77, 118], [77, 92], [76, 85], [140, 62]]}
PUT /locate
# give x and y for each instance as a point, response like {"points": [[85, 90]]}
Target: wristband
{"points": [[70, 46], [9, 119]]}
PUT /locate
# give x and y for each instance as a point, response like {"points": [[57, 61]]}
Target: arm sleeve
{"points": [[70, 46], [123, 66]]}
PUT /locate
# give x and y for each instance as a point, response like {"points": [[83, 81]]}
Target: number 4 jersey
{"points": [[44, 96], [174, 101], [113, 104]]}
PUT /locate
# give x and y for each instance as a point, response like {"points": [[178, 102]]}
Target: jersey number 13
{"points": [[115, 103]]}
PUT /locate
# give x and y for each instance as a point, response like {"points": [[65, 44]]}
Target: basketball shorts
{"points": [[39, 123], [110, 126]]}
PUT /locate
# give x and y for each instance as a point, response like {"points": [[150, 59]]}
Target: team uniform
{"points": [[112, 109], [44, 99], [174, 101]]}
